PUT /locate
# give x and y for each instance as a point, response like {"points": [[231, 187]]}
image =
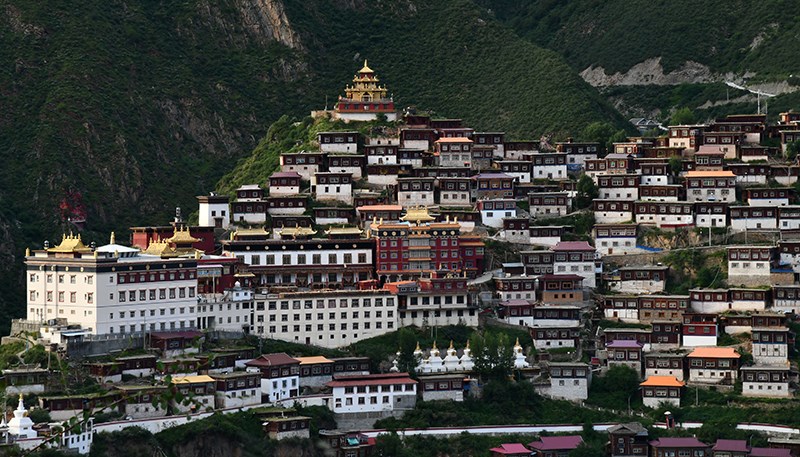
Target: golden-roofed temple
{"points": [[296, 232], [70, 244], [417, 214], [365, 99]]}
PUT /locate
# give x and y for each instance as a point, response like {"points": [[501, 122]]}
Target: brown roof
{"points": [[271, 360]]}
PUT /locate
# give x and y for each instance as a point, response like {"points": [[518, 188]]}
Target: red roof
{"points": [[285, 174], [573, 246], [557, 443], [371, 380], [678, 442], [272, 360], [731, 446], [510, 448], [631, 344], [770, 452], [554, 277]]}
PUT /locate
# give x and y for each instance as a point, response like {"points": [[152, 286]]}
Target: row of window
{"points": [[301, 259], [62, 278]]}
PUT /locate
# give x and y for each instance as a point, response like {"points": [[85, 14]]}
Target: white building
{"points": [[706, 186], [214, 211], [770, 345], [615, 238], [618, 187], [750, 265], [331, 186], [326, 318], [612, 211], [373, 393], [713, 365], [754, 218], [303, 162], [237, 389], [111, 289], [575, 257], [569, 381], [766, 381], [454, 152], [493, 211], [280, 376], [454, 192], [339, 142], [199, 390], [412, 192]]}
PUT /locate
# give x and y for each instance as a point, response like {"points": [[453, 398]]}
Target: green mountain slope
{"points": [[124, 110], [732, 35]]}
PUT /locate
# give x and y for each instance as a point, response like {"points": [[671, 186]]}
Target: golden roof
{"points": [[160, 248], [344, 231], [296, 231], [182, 236], [71, 244], [366, 69], [250, 232], [418, 214]]}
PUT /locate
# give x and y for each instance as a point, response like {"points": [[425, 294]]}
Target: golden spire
{"points": [[417, 349], [451, 344], [517, 342], [366, 68], [434, 345], [27, 252], [467, 344], [113, 239]]}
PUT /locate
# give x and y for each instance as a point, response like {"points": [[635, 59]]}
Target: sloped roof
{"points": [[510, 448], [715, 353], [270, 360], [552, 443], [662, 381]]}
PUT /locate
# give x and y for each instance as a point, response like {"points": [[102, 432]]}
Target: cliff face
{"points": [[115, 112]]}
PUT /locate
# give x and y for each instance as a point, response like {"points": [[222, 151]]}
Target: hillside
{"points": [[736, 36], [120, 111]]}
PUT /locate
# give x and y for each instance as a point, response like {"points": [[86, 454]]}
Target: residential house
{"points": [[658, 390], [280, 376], [713, 365]]}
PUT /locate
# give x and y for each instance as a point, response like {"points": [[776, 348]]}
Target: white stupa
{"points": [[418, 353], [426, 367], [466, 359], [437, 363], [451, 360], [519, 357], [21, 425]]}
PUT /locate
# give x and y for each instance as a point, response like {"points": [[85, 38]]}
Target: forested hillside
{"points": [[736, 36]]}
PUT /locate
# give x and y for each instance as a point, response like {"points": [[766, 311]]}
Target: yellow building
{"points": [[365, 99]]}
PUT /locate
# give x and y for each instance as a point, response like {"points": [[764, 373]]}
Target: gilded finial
{"points": [[434, 345], [517, 342], [27, 252], [451, 344], [467, 344], [417, 349], [113, 239]]}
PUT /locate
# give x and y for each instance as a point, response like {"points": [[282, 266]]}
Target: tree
{"points": [[407, 361], [605, 134], [39, 415], [586, 192], [682, 116], [676, 165], [792, 149], [493, 356], [587, 450], [615, 388]]}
